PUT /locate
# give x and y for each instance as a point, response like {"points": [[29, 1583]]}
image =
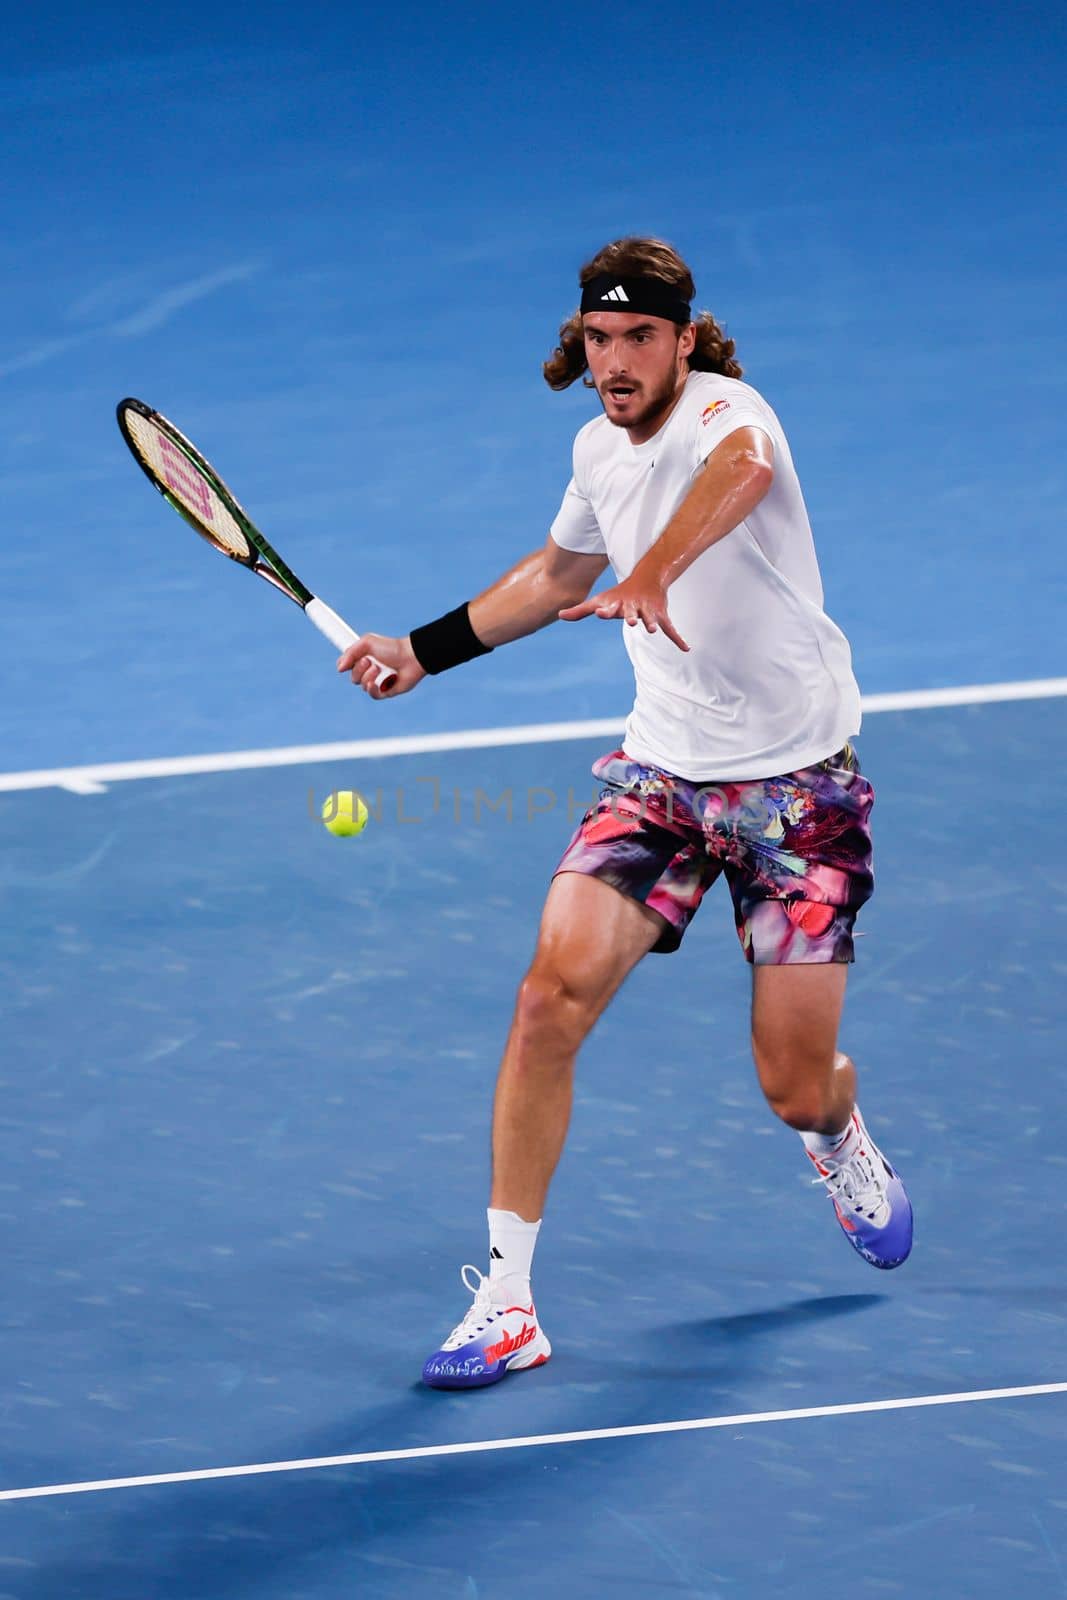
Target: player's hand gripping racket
{"points": [[195, 490]]}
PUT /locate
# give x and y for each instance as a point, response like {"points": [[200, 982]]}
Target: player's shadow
{"points": [[745, 1325], [721, 1348]]}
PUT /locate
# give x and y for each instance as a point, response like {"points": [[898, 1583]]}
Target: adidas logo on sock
{"points": [[618, 293], [495, 1254]]}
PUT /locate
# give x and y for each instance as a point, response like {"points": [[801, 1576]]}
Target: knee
{"points": [[550, 1006], [798, 1090], [799, 1109]]}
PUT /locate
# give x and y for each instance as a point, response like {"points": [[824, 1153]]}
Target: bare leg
{"points": [[796, 1012], [591, 938], [812, 1087]]}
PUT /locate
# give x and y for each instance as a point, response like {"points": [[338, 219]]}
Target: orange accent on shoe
{"points": [[508, 1345]]}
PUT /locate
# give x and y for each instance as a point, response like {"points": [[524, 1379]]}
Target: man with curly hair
{"points": [[737, 761]]}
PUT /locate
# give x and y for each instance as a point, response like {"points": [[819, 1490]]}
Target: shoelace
{"points": [[856, 1183], [480, 1314]]}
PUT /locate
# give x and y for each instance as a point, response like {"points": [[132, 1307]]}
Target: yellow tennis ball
{"points": [[344, 813]]}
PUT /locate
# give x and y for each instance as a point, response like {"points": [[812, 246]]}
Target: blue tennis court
{"points": [[247, 1067], [237, 1193]]}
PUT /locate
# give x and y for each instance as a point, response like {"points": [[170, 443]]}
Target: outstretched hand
{"points": [[634, 600]]}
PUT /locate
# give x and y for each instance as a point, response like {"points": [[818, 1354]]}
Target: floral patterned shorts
{"points": [[796, 852]]}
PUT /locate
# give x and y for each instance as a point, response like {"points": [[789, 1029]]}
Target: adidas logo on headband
{"points": [[638, 293]]}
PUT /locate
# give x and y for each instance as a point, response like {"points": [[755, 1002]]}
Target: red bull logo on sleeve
{"points": [[713, 410]]}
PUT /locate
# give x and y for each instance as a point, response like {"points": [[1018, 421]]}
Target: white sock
{"points": [[829, 1144], [511, 1248]]}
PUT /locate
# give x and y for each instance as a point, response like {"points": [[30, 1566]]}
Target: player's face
{"points": [[638, 365]]}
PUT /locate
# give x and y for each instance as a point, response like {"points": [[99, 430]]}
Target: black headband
{"points": [[648, 296]]}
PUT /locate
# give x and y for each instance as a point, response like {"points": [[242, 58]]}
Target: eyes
{"points": [[599, 340]]}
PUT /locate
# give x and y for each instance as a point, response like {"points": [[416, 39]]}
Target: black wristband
{"points": [[447, 642]]}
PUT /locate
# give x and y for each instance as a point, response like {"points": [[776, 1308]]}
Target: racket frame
{"points": [[262, 558]]}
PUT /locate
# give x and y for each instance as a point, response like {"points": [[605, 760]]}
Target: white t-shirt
{"points": [[767, 685]]}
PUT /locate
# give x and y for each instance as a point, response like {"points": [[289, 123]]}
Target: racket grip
{"points": [[341, 636]]}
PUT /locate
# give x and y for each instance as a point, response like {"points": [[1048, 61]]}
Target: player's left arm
{"points": [[734, 479]]}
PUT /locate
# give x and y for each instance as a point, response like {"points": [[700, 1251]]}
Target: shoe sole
{"points": [[885, 1263], [884, 1266], [524, 1362]]}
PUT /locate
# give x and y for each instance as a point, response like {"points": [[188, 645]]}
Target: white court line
{"points": [[744, 1419], [94, 779]]}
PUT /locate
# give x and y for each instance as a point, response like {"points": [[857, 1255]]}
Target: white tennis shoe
{"points": [[491, 1341], [869, 1199]]}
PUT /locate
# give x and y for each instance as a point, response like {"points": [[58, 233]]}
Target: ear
{"points": [[687, 340]]}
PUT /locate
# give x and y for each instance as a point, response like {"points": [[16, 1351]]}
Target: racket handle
{"points": [[341, 636]]}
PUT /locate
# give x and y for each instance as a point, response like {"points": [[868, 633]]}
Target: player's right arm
{"points": [[531, 595], [524, 599]]}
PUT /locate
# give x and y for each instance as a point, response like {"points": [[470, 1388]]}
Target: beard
{"points": [[657, 402]]}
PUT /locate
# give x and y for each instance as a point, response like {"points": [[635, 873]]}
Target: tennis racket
{"points": [[197, 493]]}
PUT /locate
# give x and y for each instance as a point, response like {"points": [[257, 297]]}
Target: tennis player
{"points": [[737, 761]]}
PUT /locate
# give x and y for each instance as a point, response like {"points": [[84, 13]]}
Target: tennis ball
{"points": [[344, 813]]}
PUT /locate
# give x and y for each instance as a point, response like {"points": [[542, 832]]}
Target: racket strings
{"points": [[185, 483]]}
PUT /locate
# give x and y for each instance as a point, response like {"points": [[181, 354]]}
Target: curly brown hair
{"points": [[633, 258]]}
